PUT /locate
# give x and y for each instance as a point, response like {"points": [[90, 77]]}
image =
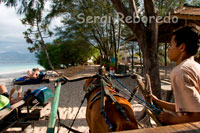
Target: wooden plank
{"points": [[180, 128], [187, 127], [7, 111], [196, 124], [190, 127]]}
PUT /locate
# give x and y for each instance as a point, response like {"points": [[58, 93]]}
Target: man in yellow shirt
{"points": [[4, 97]]}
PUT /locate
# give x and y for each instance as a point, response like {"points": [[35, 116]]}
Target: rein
{"points": [[145, 104]]}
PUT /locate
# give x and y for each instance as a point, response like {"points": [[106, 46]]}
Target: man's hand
{"points": [[166, 118]]}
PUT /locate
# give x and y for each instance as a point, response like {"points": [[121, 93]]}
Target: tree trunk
{"points": [[42, 43], [165, 54], [48, 58], [148, 44], [147, 38], [47, 55], [132, 56]]}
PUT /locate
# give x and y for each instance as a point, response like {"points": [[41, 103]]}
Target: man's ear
{"points": [[182, 47]]}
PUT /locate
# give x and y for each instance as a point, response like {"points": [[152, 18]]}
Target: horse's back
{"points": [[97, 122], [117, 117]]}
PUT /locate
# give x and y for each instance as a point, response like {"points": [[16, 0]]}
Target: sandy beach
{"points": [[70, 98]]}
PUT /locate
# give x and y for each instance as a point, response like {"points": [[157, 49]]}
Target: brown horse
{"points": [[96, 121]]}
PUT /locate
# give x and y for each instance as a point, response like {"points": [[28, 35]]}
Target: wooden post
{"points": [[165, 54], [132, 48], [144, 91], [54, 109]]}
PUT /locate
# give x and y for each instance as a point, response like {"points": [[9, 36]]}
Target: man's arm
{"points": [[163, 104]]}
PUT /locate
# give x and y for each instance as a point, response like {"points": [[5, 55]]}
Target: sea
{"points": [[9, 71]]}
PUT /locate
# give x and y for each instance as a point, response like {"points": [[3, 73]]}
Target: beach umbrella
{"points": [[42, 94]]}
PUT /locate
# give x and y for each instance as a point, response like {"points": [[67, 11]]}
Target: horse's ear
{"points": [[87, 80], [102, 70], [86, 83]]}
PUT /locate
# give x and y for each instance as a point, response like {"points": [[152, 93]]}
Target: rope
{"points": [[78, 111], [153, 108], [63, 125]]}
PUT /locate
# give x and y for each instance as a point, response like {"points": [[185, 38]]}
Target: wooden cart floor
{"points": [[186, 127]]}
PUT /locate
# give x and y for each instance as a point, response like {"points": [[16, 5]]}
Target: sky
{"points": [[11, 31]]}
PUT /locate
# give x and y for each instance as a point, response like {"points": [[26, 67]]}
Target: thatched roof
{"points": [[187, 16], [192, 12]]}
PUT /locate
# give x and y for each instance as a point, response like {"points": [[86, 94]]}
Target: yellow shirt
{"points": [[4, 101]]}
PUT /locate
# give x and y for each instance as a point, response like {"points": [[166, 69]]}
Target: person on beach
{"points": [[6, 99], [34, 74], [29, 73], [19, 97], [185, 79]]}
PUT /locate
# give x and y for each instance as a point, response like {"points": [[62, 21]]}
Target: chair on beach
{"points": [[31, 107], [35, 102], [10, 116]]}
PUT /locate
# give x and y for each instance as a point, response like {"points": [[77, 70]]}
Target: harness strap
{"points": [[103, 113], [94, 97], [117, 105], [97, 98], [63, 125], [145, 104], [79, 109]]}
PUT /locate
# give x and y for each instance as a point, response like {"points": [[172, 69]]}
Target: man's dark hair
{"points": [[28, 92], [190, 38]]}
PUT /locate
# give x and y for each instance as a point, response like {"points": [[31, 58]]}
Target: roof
{"points": [[188, 10], [187, 16]]}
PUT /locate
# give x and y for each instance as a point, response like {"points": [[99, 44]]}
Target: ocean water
{"points": [[10, 71]]}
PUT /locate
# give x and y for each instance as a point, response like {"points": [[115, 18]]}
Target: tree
{"points": [[147, 37], [104, 35], [37, 30], [146, 33], [70, 52], [54, 54]]}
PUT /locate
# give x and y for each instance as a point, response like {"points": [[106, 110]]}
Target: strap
{"points": [[63, 125], [79, 109], [145, 104], [117, 105], [103, 113]]}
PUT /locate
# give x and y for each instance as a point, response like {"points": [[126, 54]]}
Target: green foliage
{"points": [[67, 52], [102, 34], [194, 2], [54, 54]]}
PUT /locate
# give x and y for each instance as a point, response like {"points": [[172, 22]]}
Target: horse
{"points": [[96, 121]]}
